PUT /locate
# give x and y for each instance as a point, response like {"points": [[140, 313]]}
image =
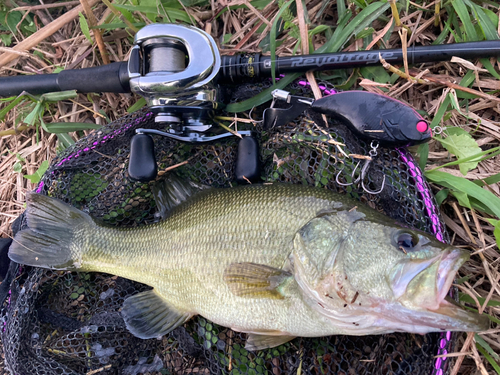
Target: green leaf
{"points": [[483, 155], [151, 4], [492, 362], [226, 38], [11, 105], [137, 105], [37, 176], [318, 29], [128, 16], [442, 37], [57, 96], [65, 140], [485, 23], [375, 73], [496, 231], [173, 14], [6, 39], [441, 196], [493, 17], [490, 68], [461, 184], [341, 9], [85, 27], [463, 280], [479, 340], [463, 13], [66, 127], [258, 4], [74, 295], [18, 167], [468, 299], [488, 181], [462, 145], [440, 112], [119, 25], [423, 153], [34, 114], [362, 20], [462, 198], [365, 33], [466, 81], [265, 44], [13, 18]]}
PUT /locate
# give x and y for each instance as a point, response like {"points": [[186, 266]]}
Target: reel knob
{"points": [[142, 162], [247, 163]]}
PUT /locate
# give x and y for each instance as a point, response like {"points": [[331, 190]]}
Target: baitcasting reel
{"points": [[174, 68]]}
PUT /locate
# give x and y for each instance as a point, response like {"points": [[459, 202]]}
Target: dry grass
{"points": [[69, 48]]}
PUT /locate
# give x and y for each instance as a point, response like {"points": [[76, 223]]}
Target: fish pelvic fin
{"points": [[147, 315], [257, 280], [260, 342], [55, 229]]}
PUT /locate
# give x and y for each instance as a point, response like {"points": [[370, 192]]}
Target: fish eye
{"points": [[406, 242]]}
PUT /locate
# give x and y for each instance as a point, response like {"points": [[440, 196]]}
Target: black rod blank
{"points": [[235, 67]]}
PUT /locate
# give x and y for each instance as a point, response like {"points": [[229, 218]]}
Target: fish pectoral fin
{"points": [[260, 342], [147, 315], [257, 280]]}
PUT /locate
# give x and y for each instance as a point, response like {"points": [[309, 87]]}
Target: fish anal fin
{"points": [[147, 315], [260, 342], [256, 280]]}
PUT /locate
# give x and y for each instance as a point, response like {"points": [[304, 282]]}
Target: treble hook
{"points": [[364, 171], [352, 175], [363, 175]]}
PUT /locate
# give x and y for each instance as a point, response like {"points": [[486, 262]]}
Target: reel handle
{"points": [[247, 162], [142, 161]]}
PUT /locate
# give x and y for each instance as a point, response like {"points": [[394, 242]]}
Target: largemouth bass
{"points": [[276, 261]]}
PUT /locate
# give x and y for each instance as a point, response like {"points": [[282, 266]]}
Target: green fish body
{"points": [[276, 261]]}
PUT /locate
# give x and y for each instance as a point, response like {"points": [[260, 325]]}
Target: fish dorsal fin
{"points": [[260, 342], [172, 191], [257, 280], [147, 315]]}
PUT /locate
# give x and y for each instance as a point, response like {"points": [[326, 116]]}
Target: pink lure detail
{"points": [[422, 126]]}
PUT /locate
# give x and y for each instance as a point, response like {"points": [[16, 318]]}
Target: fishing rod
{"points": [[177, 70], [159, 51]]}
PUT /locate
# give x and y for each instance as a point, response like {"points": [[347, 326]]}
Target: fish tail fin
{"points": [[55, 235]]}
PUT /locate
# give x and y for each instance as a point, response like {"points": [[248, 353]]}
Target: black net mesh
{"points": [[70, 323]]}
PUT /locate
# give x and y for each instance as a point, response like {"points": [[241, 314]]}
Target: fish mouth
{"points": [[423, 286]]}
